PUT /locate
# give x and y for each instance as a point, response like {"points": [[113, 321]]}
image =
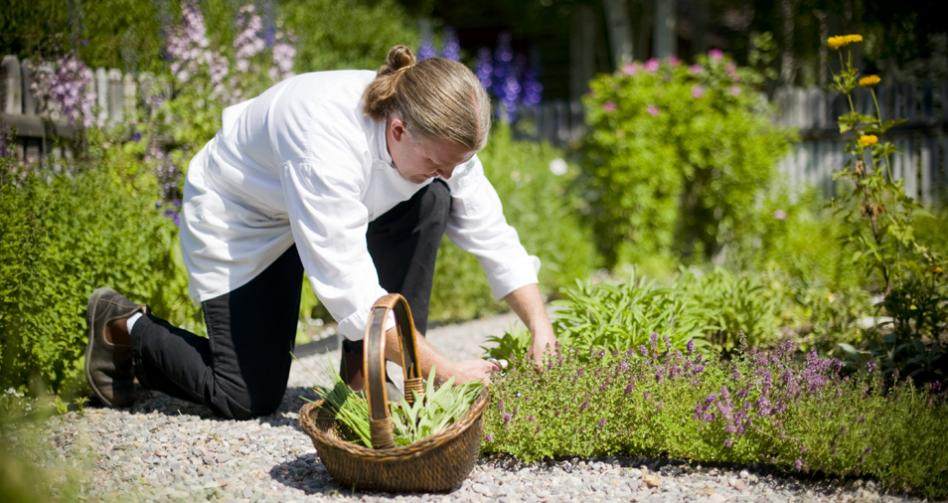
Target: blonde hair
{"points": [[437, 98]]}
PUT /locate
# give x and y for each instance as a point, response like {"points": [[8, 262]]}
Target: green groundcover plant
{"points": [[438, 408], [61, 236], [764, 407], [675, 156]]}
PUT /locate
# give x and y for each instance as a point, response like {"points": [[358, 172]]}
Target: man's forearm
{"points": [[527, 302], [428, 357]]}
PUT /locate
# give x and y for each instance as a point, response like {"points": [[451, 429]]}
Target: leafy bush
{"points": [[880, 218], [371, 29], [63, 235], [536, 204], [675, 156], [734, 306], [762, 407]]}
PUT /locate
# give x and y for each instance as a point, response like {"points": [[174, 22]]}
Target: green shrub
{"points": [[537, 205], [63, 235], [371, 29], [674, 157], [734, 306], [761, 408]]}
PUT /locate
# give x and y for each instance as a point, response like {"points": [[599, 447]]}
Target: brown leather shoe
{"points": [[109, 368]]}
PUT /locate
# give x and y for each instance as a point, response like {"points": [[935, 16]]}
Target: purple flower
{"points": [[631, 68], [484, 68], [780, 215], [653, 341], [652, 110], [643, 350], [532, 89], [601, 423], [715, 54], [871, 366], [65, 90], [652, 65], [506, 417], [695, 69], [249, 41], [427, 49], [734, 90], [609, 106], [584, 405], [798, 464], [451, 49], [500, 405], [488, 438], [697, 91], [629, 387]]}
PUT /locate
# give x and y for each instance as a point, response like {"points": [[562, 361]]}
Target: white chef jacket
{"points": [[302, 164]]}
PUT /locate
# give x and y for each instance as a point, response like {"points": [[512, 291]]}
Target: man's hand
{"points": [[473, 370], [543, 345]]}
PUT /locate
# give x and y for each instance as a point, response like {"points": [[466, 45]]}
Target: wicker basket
{"points": [[437, 463]]}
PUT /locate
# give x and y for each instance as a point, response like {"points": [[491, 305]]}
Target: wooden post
{"points": [[102, 95], [116, 99], [620, 35], [129, 91], [11, 86], [665, 43], [34, 148], [582, 50]]}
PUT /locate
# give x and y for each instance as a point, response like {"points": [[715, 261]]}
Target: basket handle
{"points": [[373, 364]]}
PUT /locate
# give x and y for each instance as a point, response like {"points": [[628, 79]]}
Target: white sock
{"points": [[131, 321]]}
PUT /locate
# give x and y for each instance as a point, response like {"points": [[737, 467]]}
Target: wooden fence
{"points": [[117, 97], [922, 141]]}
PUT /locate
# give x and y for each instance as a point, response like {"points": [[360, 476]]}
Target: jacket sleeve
{"points": [[477, 225], [328, 221]]}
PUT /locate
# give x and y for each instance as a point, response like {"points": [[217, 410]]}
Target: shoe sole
{"points": [[90, 314]]}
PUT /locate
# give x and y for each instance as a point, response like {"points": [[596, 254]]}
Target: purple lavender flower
{"points": [[427, 49], [631, 68], [652, 110], [249, 41], [601, 423], [690, 347], [652, 65], [629, 387], [284, 55], [488, 438], [506, 417], [484, 68], [715, 54], [503, 65], [584, 405], [871, 366], [695, 69], [798, 464], [450, 49], [65, 89], [643, 350], [532, 89], [697, 91]]}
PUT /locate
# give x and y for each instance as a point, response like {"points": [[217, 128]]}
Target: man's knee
{"points": [[436, 201], [242, 401]]}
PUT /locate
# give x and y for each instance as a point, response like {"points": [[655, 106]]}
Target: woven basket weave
{"points": [[438, 463]]}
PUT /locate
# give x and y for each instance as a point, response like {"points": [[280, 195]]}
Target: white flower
{"points": [[558, 167]]}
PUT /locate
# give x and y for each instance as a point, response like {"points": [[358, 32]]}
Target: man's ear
{"points": [[398, 128]]}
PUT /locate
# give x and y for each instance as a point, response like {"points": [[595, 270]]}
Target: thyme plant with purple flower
{"points": [[762, 407]]}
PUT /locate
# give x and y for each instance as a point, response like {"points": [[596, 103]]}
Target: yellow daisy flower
{"points": [[868, 140], [869, 80], [837, 41]]}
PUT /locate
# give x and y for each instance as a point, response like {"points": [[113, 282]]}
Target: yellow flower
{"points": [[837, 41], [868, 140], [869, 80]]}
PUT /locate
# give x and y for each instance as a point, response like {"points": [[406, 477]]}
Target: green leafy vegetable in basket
{"points": [[437, 409]]}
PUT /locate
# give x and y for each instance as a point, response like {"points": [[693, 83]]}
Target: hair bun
{"points": [[399, 57]]}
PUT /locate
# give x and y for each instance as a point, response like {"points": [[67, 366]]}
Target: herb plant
{"points": [[438, 408]]}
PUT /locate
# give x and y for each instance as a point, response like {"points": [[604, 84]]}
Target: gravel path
{"points": [[166, 449]]}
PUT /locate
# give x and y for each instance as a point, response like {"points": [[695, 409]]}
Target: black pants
{"points": [[241, 369]]}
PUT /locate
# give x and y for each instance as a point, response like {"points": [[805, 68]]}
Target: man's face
{"points": [[419, 158]]}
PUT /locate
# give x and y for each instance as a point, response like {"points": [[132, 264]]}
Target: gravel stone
{"points": [[166, 449]]}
